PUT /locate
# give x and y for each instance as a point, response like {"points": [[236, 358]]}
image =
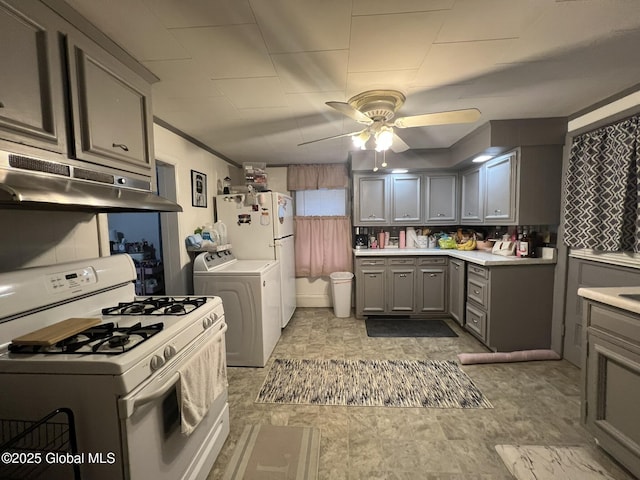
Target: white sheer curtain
{"points": [[322, 245]]}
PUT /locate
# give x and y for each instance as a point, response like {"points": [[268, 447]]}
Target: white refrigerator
{"points": [[260, 227]]}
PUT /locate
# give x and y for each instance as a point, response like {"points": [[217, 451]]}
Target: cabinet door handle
{"points": [[373, 276], [440, 215], [403, 275], [497, 211], [456, 267], [474, 320], [120, 145], [432, 275], [470, 213], [476, 292]]}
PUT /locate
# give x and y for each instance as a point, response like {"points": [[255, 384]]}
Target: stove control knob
{"points": [[207, 322], [169, 351], [156, 362]]}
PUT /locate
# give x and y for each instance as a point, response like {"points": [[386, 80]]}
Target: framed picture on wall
{"points": [[198, 189]]}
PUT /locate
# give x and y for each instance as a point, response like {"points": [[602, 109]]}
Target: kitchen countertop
{"points": [[474, 256], [611, 296]]}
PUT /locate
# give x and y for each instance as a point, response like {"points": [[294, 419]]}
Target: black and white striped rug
{"points": [[371, 383]]}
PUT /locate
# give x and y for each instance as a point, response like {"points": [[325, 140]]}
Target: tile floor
{"points": [[535, 403]]}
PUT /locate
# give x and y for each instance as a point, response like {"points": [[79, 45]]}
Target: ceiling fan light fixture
{"points": [[360, 140], [384, 139]]}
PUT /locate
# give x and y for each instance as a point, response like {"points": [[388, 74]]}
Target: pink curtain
{"points": [[314, 177], [323, 246]]}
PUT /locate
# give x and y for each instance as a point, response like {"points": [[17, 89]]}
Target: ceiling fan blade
{"points": [[398, 145], [349, 111], [329, 138], [440, 118]]}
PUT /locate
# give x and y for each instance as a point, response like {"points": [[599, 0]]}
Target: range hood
{"points": [[32, 183]]}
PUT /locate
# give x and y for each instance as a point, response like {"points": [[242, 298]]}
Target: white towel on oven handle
{"points": [[202, 378]]}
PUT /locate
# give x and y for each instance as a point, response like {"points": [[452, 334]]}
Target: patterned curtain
{"points": [[602, 185]]}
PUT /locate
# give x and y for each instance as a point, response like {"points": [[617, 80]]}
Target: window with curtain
{"points": [[322, 228], [602, 185]]}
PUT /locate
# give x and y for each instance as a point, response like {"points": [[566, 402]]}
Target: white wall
{"points": [[185, 156], [34, 238]]}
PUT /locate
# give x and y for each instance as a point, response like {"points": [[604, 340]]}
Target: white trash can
{"points": [[341, 292]]}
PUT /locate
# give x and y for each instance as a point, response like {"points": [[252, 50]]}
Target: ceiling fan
{"points": [[377, 108]]}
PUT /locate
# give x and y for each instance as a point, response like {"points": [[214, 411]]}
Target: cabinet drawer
{"points": [[476, 321], [402, 261], [368, 262], [478, 270], [614, 322], [432, 261], [478, 291]]}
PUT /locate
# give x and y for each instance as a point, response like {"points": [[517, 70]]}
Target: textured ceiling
{"points": [[249, 78]]}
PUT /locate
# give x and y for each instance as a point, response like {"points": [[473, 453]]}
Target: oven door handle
{"points": [[129, 405]]}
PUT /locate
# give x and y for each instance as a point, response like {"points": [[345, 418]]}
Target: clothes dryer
{"points": [[250, 293]]}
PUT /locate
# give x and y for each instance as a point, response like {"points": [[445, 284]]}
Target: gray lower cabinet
{"points": [[611, 386], [587, 273], [457, 290], [401, 274], [509, 308], [401, 285], [371, 286], [432, 285]]}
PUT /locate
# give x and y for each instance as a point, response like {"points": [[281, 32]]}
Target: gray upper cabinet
{"points": [[472, 195], [31, 100], [406, 199], [111, 108], [371, 202], [522, 187], [441, 205], [500, 189]]}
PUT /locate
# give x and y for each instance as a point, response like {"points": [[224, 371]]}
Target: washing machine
{"points": [[250, 293]]}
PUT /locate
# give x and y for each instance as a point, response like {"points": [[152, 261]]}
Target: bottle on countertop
{"points": [[524, 244]]}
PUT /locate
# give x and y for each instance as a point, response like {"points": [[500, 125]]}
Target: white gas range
{"points": [[122, 377]]}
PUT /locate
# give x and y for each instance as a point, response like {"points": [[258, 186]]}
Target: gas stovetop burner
{"points": [[157, 306], [106, 339]]}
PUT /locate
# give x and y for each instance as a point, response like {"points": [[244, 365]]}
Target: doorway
{"points": [[149, 238]]}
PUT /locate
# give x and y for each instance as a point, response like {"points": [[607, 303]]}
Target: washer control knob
{"points": [[156, 362], [169, 351]]}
